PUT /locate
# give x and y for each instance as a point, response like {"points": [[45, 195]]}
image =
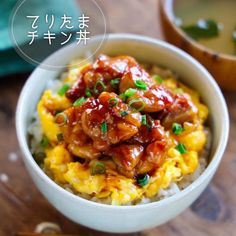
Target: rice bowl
{"points": [[118, 185], [127, 218]]}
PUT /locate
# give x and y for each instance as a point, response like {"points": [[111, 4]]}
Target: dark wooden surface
{"points": [[22, 206]]}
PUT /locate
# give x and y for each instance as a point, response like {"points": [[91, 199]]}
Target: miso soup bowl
{"points": [[123, 219], [221, 66]]}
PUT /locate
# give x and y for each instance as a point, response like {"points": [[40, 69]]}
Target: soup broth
{"points": [[221, 11]]}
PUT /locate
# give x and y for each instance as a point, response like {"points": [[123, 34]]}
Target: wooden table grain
{"points": [[22, 206]]}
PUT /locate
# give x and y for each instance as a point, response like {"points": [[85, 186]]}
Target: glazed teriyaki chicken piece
{"points": [[123, 117]]}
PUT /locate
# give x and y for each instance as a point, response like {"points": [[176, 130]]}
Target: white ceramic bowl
{"points": [[126, 218]]}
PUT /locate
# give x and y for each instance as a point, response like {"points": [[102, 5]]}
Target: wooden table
{"points": [[22, 206]]}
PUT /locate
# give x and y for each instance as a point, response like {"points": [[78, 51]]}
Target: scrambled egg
{"points": [[51, 102], [120, 189], [57, 161]]}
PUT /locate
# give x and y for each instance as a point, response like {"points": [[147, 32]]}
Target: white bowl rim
{"points": [[216, 158]]}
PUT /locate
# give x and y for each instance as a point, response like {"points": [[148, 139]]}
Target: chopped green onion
{"points": [[79, 102], [57, 112], [44, 142], [143, 180], [177, 128], [202, 29], [112, 102], [181, 148], [150, 124], [234, 35], [98, 168], [124, 113], [122, 97], [63, 89], [61, 119], [98, 84], [60, 137], [88, 92], [39, 156], [158, 79], [115, 82], [140, 84], [129, 92], [179, 90], [144, 120], [137, 100], [104, 127], [234, 39]]}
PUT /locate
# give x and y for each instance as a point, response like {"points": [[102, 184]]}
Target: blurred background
{"points": [[22, 205]]}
